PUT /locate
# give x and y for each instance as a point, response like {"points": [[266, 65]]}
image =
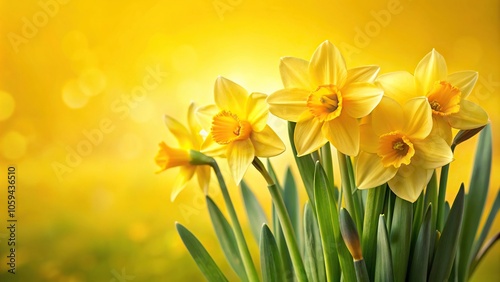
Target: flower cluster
{"points": [[396, 126]]}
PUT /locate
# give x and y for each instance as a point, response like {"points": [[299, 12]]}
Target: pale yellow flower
{"points": [[325, 99], [447, 94], [189, 140], [237, 126], [397, 147]]}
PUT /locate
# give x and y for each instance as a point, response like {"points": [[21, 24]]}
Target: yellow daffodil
{"points": [[237, 126], [447, 94], [397, 147], [325, 99], [189, 141]]}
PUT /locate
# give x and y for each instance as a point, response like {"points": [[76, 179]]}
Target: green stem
{"points": [[351, 204], [286, 224], [240, 239], [326, 161], [443, 181]]}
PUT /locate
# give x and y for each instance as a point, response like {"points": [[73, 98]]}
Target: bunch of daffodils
{"points": [[393, 135]]}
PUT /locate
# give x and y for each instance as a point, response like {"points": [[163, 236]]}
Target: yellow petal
{"points": [[295, 73], [370, 172], [470, 116], [240, 155], [205, 114], [212, 148], [179, 131], [327, 66], [360, 98], [418, 118], [203, 175], [430, 69], [362, 74], [308, 137], [463, 80], [288, 104], [230, 96], [168, 157], [410, 181], [387, 116], [442, 128], [267, 143], [432, 152], [399, 86], [194, 126], [185, 174], [343, 133], [368, 139], [257, 110]]}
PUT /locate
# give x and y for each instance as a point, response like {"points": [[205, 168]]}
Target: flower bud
{"points": [[350, 235]]}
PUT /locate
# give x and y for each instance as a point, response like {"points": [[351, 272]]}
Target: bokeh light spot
{"points": [[92, 81], [73, 96], [184, 58], [7, 105], [13, 145]]}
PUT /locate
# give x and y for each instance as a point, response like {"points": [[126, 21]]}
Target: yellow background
{"points": [[70, 70]]}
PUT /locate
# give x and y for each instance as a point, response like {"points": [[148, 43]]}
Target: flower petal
{"points": [[362, 74], [240, 155], [368, 139], [194, 126], [295, 73], [288, 104], [360, 98], [463, 80], [410, 181], [432, 152], [185, 174], [203, 175], [470, 116], [212, 148], [418, 118], [430, 69], [387, 117], [230, 96], [179, 131], [205, 115], [442, 128], [327, 66], [370, 172], [257, 111], [343, 133], [267, 143], [399, 86], [307, 136]]}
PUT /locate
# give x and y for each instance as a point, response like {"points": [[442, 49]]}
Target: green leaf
{"points": [[431, 197], [305, 165], [313, 251], [226, 238], [420, 259], [270, 259], [401, 237], [291, 198], [200, 255], [374, 207], [255, 212], [383, 266], [447, 246], [476, 200]]}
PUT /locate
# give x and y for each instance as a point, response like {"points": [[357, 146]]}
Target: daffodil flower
{"points": [[397, 147], [237, 126], [446, 94], [184, 156], [325, 99]]}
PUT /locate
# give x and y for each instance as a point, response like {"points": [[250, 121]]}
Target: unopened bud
{"points": [[350, 235], [464, 135]]}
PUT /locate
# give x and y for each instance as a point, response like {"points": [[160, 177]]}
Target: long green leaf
{"points": [[291, 198], [447, 246], [431, 197], [383, 266], [226, 238], [420, 259], [313, 251], [200, 255], [401, 237], [255, 212], [476, 199], [270, 258]]}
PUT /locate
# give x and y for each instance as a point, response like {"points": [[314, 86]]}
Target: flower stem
{"points": [[240, 239], [326, 161], [443, 181], [351, 205], [286, 224]]}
